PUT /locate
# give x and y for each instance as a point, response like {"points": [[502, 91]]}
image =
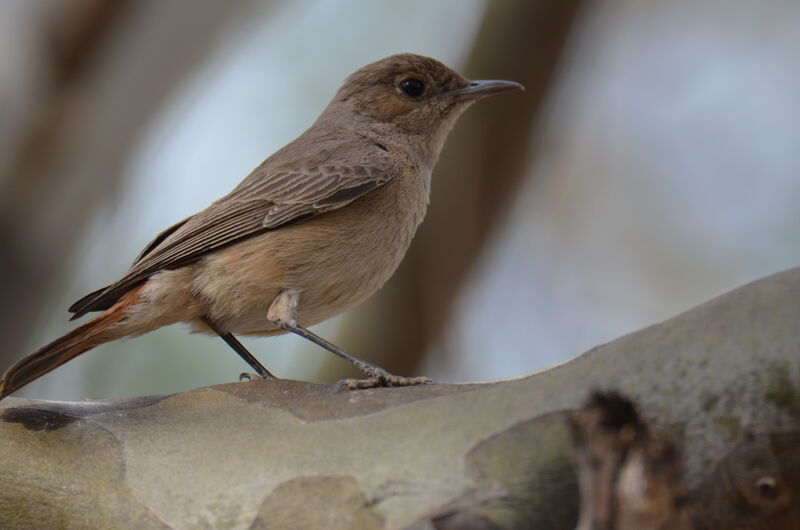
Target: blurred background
{"points": [[651, 164]]}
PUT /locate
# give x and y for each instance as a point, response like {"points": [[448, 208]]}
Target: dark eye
{"points": [[412, 87]]}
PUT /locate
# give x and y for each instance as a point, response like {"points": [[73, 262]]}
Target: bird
{"points": [[314, 230]]}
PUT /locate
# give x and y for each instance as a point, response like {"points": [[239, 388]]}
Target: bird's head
{"points": [[412, 96]]}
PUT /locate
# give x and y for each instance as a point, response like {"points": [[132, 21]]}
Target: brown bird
{"points": [[317, 228]]}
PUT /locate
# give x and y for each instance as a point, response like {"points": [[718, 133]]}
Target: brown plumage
{"points": [[315, 229]]}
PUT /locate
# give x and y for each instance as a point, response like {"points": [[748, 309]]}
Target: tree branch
{"points": [[721, 379]]}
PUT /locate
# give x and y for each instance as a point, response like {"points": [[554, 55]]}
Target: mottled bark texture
{"points": [[630, 474], [720, 381]]}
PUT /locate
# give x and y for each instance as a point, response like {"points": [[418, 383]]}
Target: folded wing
{"points": [[265, 200]]}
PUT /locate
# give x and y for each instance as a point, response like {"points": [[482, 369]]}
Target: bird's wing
{"points": [[265, 200]]}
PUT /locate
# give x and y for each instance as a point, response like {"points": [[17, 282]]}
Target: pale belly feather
{"points": [[334, 261]]}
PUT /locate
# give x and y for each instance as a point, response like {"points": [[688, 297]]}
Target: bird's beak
{"points": [[481, 89]]}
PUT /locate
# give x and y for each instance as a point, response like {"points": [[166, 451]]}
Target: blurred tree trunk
{"points": [[87, 76], [483, 165]]}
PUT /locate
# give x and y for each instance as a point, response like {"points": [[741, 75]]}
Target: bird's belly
{"points": [[334, 261]]}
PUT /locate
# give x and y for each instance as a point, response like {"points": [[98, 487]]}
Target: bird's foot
{"points": [[381, 378], [247, 376]]}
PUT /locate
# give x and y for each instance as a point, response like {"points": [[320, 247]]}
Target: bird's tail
{"points": [[103, 328]]}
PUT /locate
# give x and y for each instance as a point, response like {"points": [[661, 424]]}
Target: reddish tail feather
{"points": [[82, 339]]}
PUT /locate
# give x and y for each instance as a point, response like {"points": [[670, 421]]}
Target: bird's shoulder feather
{"points": [[285, 189]]}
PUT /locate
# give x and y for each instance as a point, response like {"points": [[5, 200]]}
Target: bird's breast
{"points": [[335, 260], [358, 247]]}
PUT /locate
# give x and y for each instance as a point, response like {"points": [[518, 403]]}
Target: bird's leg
{"points": [[283, 312], [376, 376], [239, 348]]}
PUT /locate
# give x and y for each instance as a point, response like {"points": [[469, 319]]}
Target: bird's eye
{"points": [[412, 87]]}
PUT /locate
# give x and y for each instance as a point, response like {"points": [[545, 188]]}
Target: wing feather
{"points": [[263, 201]]}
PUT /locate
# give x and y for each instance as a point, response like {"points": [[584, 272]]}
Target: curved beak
{"points": [[481, 89]]}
